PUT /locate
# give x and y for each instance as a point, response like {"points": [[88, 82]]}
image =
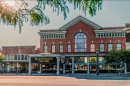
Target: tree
{"points": [[117, 56], [21, 13], [2, 57]]}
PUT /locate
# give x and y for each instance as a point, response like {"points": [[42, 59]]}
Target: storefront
{"points": [[56, 63]]}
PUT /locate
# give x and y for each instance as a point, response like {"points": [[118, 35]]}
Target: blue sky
{"points": [[113, 13]]}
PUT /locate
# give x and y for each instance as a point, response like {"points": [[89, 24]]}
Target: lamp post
{"points": [[97, 68]]}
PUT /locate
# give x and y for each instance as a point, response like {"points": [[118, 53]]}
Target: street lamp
{"points": [[97, 68]]}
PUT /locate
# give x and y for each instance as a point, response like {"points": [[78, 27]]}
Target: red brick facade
{"points": [[80, 26], [9, 50]]}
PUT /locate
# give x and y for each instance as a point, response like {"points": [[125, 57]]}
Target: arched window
{"points": [[45, 48], [80, 42], [53, 48]]}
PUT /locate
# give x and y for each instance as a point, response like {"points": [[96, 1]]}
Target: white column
{"points": [[58, 65], [72, 64], [88, 65], [63, 68], [29, 66], [40, 68], [125, 68]]}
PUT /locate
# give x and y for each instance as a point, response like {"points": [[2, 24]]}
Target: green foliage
{"points": [[12, 16], [2, 57], [114, 56]]}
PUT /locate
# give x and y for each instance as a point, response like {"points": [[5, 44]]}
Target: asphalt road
{"points": [[57, 81]]}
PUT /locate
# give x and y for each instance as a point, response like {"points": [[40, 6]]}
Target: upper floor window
{"points": [[80, 42], [69, 48], [118, 46], [92, 48], [101, 47], [110, 47], [53, 48], [61, 47], [45, 48]]}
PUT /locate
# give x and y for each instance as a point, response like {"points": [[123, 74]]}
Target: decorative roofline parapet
{"points": [[110, 33]]}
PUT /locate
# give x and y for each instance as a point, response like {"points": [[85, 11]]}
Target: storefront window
{"points": [[94, 59], [80, 59], [80, 42]]}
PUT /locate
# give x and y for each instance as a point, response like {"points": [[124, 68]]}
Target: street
{"points": [[57, 81]]}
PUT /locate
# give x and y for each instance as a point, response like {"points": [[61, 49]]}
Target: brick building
{"points": [[17, 56], [75, 46]]}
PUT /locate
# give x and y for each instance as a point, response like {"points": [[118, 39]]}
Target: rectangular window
{"points": [[69, 48], [110, 47], [118, 46], [22, 57], [15, 57], [26, 57], [61, 47], [18, 57], [92, 47], [6, 57], [12, 57], [53, 48], [101, 47], [45, 48]]}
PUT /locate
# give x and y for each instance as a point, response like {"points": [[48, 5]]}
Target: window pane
{"points": [[61, 48], [101, 47], [118, 46], [45, 48], [15, 57], [53, 48], [110, 47], [22, 57], [69, 48], [92, 48], [18, 57]]}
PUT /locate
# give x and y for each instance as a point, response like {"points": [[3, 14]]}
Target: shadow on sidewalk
{"points": [[99, 77]]}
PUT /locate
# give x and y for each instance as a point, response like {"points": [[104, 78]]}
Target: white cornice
{"points": [[52, 33], [110, 31]]}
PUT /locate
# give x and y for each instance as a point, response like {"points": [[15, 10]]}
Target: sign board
{"points": [[43, 60]]}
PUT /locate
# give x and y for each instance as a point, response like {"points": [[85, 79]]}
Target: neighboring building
{"points": [[127, 36], [76, 44], [128, 42], [17, 56]]}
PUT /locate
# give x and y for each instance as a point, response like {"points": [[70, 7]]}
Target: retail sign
{"points": [[43, 60]]}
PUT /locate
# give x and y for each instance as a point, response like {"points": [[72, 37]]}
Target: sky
{"points": [[114, 13]]}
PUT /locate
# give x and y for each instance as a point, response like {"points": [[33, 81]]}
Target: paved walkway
{"points": [[57, 81]]}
